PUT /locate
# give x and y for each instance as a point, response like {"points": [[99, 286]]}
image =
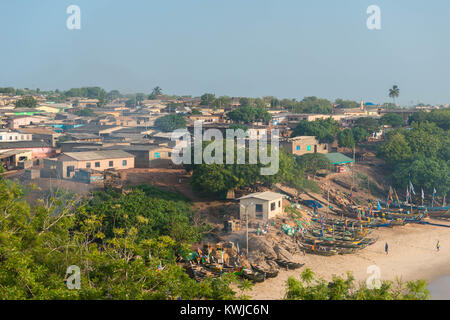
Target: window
{"points": [[97, 164], [325, 147], [272, 206], [259, 208], [1, 137], [298, 148], [157, 155], [88, 164], [111, 164], [124, 163], [279, 204], [309, 148]]}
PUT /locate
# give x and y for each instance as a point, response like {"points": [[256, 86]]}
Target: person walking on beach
{"points": [[386, 248], [438, 246]]}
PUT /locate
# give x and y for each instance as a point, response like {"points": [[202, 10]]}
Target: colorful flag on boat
{"points": [[411, 188]]}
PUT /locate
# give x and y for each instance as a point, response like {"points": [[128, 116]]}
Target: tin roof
{"points": [[98, 155]]}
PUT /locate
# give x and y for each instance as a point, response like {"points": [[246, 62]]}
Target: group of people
{"points": [[386, 247]]}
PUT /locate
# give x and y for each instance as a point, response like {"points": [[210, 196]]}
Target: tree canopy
{"points": [[309, 287], [170, 123], [26, 102], [248, 114], [325, 130], [120, 251]]}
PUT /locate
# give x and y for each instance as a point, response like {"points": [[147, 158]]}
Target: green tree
{"points": [[346, 139], [396, 149], [156, 93], [26, 102], [392, 119], [426, 173], [314, 105], [196, 112], [394, 92], [39, 242], [346, 104], [170, 123], [313, 162], [248, 114], [371, 125], [308, 287], [360, 134], [222, 102], [207, 99], [325, 130]]}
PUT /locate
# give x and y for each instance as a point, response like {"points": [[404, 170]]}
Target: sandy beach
{"points": [[412, 256]]}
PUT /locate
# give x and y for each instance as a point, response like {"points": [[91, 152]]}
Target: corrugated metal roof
{"points": [[98, 155], [338, 158], [268, 195]]}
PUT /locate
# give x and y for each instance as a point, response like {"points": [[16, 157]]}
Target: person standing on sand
{"points": [[386, 248], [438, 246]]}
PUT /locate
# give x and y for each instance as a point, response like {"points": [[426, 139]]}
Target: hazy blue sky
{"points": [[286, 48]]}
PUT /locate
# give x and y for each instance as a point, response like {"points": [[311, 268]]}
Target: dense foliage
{"points": [[249, 114], [313, 162], [219, 178], [26, 102], [314, 105], [170, 123], [39, 243], [346, 104], [323, 129], [308, 287], [422, 153]]}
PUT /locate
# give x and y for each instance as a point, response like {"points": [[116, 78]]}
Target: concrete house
{"points": [[261, 205], [305, 144], [67, 163]]}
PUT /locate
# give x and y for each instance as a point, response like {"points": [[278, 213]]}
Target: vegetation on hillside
{"points": [[308, 287]]}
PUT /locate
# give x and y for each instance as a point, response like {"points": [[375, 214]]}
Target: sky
{"points": [[283, 48]]}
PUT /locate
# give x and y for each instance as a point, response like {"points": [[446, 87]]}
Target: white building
{"points": [[13, 136], [261, 205]]}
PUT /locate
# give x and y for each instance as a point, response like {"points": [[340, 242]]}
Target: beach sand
{"points": [[412, 256]]}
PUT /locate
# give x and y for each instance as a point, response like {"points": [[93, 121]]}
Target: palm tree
{"points": [[394, 92], [157, 91]]}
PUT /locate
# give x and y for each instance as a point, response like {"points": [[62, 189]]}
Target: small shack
{"points": [[261, 205], [339, 161]]}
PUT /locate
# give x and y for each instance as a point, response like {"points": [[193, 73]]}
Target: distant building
{"points": [[304, 145], [67, 163], [11, 136], [261, 205]]}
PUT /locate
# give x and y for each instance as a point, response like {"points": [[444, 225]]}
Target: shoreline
{"points": [[412, 256]]}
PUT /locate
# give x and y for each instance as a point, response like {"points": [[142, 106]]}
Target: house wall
{"points": [[65, 162], [306, 145], [15, 136], [267, 213]]}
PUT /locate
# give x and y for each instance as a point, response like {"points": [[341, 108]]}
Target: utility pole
{"points": [[353, 177], [246, 218]]}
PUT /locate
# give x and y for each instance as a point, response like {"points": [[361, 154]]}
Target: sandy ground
{"points": [[412, 256]]}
